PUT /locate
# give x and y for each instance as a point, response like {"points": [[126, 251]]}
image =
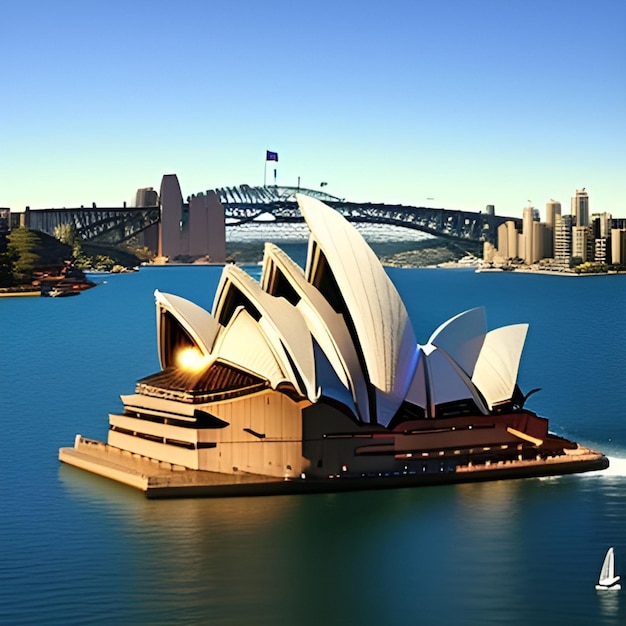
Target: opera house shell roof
{"points": [[315, 373], [338, 329]]}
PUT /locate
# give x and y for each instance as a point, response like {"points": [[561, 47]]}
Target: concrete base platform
{"points": [[163, 480]]}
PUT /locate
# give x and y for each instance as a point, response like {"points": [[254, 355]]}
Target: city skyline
{"points": [[455, 105], [563, 240]]}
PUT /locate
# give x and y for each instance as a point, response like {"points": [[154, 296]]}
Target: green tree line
{"points": [[23, 252]]}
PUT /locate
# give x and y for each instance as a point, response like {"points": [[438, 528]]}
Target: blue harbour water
{"points": [[78, 549]]}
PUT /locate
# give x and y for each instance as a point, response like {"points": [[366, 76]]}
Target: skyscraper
{"points": [[580, 208], [513, 244], [538, 252], [553, 208], [601, 223], [618, 246], [503, 241], [528, 219], [146, 197], [582, 243], [563, 240]]}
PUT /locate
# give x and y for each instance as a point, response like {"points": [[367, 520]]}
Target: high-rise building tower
{"points": [[618, 246], [503, 241], [580, 208], [528, 218], [146, 197], [563, 240], [513, 243], [539, 229], [582, 243], [601, 223], [553, 208], [602, 249]]}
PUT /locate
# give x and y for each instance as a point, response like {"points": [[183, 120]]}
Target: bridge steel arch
{"points": [[245, 204]]}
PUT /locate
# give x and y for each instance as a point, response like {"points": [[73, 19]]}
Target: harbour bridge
{"points": [[246, 204]]}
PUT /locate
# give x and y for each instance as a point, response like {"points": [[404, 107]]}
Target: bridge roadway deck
{"points": [[118, 224]]}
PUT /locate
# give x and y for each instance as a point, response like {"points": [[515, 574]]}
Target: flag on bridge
{"points": [[271, 156]]}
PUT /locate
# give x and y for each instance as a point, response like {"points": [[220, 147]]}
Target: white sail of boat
{"points": [[608, 579]]}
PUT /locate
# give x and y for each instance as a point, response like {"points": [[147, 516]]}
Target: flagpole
{"points": [[269, 156]]}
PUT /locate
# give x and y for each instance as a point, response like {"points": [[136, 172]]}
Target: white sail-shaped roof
{"points": [[497, 366], [448, 383], [418, 393], [284, 327], [197, 322], [327, 327], [462, 338], [244, 344], [384, 334]]}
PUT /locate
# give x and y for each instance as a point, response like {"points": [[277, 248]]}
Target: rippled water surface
{"points": [[78, 549]]}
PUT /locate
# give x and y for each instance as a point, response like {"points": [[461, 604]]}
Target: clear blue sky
{"points": [[466, 102]]}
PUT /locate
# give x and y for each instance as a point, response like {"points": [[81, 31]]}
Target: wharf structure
{"points": [[312, 380]]}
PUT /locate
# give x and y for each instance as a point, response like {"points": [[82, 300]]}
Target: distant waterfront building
{"points": [[601, 223], [618, 246], [563, 240], [539, 236], [553, 208], [602, 249], [582, 241], [503, 241], [528, 219], [146, 197], [489, 252], [513, 240], [508, 244], [580, 208]]}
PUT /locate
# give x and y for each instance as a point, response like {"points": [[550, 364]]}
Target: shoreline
{"points": [[545, 272]]}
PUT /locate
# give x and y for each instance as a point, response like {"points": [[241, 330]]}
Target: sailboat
{"points": [[608, 579]]}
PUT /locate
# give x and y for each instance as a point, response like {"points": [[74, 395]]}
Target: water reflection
{"points": [[224, 559], [609, 603]]}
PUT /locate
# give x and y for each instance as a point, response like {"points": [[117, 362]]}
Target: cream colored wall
{"points": [[154, 450], [268, 413], [153, 428]]}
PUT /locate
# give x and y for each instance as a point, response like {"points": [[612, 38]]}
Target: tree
{"points": [[67, 233], [23, 251], [6, 270]]}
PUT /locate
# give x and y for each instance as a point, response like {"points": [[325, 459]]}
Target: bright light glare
{"points": [[192, 359]]}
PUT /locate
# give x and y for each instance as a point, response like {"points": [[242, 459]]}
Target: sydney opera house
{"points": [[312, 379]]}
